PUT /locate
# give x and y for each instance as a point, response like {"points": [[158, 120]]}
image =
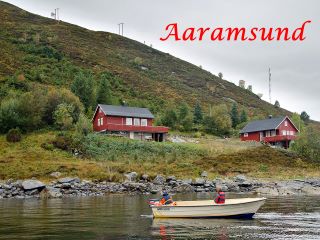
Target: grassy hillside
{"points": [[48, 52], [108, 159]]}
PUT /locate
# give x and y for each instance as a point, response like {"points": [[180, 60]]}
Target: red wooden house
{"points": [[132, 122], [275, 131]]}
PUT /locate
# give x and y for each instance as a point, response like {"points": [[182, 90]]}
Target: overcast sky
{"points": [[295, 66]]}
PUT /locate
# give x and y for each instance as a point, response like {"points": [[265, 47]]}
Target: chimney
{"points": [[270, 116]]}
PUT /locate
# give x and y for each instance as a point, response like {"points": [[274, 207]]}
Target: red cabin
{"points": [[132, 122], [275, 131]]}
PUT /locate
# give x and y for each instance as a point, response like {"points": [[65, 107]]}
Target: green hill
{"points": [[48, 52]]}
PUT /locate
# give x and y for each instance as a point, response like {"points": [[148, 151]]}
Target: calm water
{"points": [[128, 217]]}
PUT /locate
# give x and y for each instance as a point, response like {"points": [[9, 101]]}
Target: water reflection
{"points": [[128, 217]]}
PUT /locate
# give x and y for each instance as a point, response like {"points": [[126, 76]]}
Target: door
{"points": [[131, 135], [261, 136]]}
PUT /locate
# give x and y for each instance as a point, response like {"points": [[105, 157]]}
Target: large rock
{"points": [[185, 188], [131, 177], [171, 178], [69, 180], [145, 177], [204, 174], [240, 178], [55, 174], [159, 180], [187, 181], [32, 184], [199, 182]]}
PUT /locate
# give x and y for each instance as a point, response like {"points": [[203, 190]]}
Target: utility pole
{"points": [[270, 85], [120, 28], [55, 14]]}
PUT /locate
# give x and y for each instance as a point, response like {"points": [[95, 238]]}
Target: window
{"points": [[144, 122], [284, 132], [100, 121], [245, 134], [273, 133], [128, 121], [136, 121], [286, 123]]}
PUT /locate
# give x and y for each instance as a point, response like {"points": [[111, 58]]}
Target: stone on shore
{"points": [[159, 180], [29, 185], [199, 182], [69, 180], [131, 176], [185, 188], [55, 174], [204, 174]]}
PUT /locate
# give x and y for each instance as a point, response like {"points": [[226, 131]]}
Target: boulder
{"points": [[245, 184], [224, 188], [240, 178], [204, 174], [155, 190], [68, 180], [29, 185], [131, 176], [159, 180], [170, 178], [185, 188], [145, 177], [186, 181], [199, 189], [55, 174], [199, 182]]}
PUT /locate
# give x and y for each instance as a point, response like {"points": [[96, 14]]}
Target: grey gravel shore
{"points": [[73, 186]]}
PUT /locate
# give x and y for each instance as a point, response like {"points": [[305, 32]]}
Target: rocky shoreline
{"points": [[73, 186]]}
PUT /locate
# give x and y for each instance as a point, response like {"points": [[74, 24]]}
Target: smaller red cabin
{"points": [[131, 122], [275, 131]]}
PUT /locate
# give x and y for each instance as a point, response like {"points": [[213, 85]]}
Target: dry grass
{"points": [[220, 158]]}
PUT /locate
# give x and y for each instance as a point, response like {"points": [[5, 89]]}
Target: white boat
{"points": [[232, 208]]}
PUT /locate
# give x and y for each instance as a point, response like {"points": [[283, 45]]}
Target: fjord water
{"points": [[129, 217]]}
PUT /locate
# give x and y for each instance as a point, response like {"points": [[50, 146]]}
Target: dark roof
{"points": [[262, 125], [126, 111]]}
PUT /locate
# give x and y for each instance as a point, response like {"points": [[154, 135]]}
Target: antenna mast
{"points": [[120, 28], [269, 84]]}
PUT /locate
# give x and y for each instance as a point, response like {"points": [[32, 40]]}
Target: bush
{"points": [[14, 135], [63, 142]]}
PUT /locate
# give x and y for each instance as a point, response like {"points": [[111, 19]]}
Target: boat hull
{"points": [[233, 208]]}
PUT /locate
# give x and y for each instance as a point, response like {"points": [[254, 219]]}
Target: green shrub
{"points": [[263, 168], [14, 135], [63, 142], [47, 146]]}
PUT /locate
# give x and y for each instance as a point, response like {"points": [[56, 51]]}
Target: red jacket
{"points": [[220, 198]]}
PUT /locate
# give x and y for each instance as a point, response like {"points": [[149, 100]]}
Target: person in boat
{"points": [[166, 199], [221, 198]]}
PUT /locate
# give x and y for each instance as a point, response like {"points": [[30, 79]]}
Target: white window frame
{"points": [[101, 121], [129, 121], [245, 135], [144, 122], [98, 122], [136, 121], [286, 123], [284, 132]]}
